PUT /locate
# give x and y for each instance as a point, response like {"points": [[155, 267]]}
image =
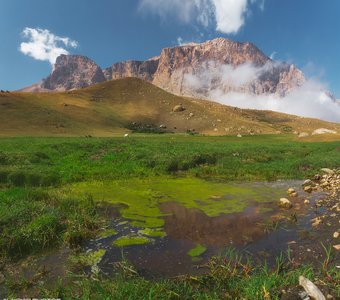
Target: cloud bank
{"points": [[308, 100], [44, 45], [228, 16]]}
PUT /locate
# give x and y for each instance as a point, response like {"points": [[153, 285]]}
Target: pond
{"points": [[168, 227]]}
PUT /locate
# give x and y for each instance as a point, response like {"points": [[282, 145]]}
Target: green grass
{"points": [[34, 216], [32, 219], [227, 278], [58, 161], [50, 190]]}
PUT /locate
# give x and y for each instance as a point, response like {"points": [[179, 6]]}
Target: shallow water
{"points": [[193, 212]]}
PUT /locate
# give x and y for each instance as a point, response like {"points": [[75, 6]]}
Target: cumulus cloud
{"points": [[308, 100], [44, 45], [228, 16]]}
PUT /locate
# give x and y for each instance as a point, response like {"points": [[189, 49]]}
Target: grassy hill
{"points": [[129, 104]]}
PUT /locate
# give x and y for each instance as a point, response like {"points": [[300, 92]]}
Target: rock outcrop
{"points": [[190, 70], [197, 69], [73, 72], [141, 69]]}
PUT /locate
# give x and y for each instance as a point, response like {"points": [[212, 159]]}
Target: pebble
{"points": [[306, 201], [308, 189], [316, 221], [336, 234], [291, 191], [337, 247], [304, 296]]}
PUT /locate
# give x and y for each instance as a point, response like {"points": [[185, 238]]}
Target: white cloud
{"points": [[308, 100], [272, 56], [182, 42], [228, 16], [44, 45]]}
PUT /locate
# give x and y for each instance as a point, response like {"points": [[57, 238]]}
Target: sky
{"points": [[34, 32]]}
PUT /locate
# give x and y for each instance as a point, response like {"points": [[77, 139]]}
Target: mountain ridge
{"points": [[173, 68]]}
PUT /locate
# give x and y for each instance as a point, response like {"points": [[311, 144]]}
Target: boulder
{"points": [[178, 108], [291, 191], [303, 134], [307, 182], [285, 203], [308, 189], [327, 171]]}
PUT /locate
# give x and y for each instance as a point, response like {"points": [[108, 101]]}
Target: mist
{"points": [[308, 99]]}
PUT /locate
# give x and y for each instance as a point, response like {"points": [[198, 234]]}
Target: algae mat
{"points": [[140, 199]]}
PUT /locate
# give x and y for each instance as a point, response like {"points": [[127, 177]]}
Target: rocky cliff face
{"points": [[190, 70], [73, 72], [198, 69], [141, 69]]}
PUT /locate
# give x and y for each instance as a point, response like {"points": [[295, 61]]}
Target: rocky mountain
{"points": [[141, 69], [196, 69], [189, 70], [73, 72]]}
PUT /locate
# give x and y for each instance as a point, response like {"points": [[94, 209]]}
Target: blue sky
{"points": [[303, 32]]}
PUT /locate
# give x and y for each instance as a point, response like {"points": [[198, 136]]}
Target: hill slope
{"points": [[117, 106]]}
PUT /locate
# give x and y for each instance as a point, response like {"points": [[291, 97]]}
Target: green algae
{"points": [[141, 198], [108, 233], [89, 259], [152, 232], [197, 251], [130, 240]]}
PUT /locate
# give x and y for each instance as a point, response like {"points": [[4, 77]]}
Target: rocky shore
{"points": [[319, 246]]}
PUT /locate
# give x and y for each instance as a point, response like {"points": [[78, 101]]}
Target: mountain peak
{"points": [[193, 69], [73, 72]]}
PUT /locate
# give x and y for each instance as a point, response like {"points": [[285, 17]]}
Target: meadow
{"points": [[38, 212]]}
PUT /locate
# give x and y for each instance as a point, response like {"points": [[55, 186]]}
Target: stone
{"points": [[337, 247], [336, 235], [303, 295], [306, 202], [291, 191], [307, 182], [317, 177], [323, 131], [308, 189], [303, 134], [239, 135], [162, 126], [327, 171], [311, 289], [178, 108], [316, 221], [285, 203]]}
